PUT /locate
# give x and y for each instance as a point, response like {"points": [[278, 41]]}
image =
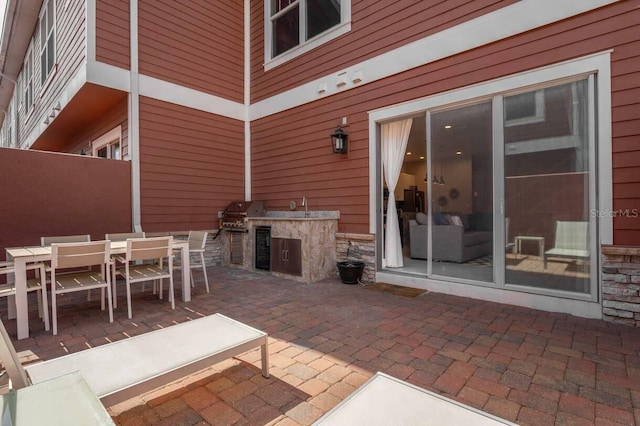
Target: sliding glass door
{"points": [[461, 192], [546, 188], [500, 191]]}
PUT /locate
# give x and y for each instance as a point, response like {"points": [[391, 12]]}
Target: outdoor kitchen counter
{"points": [[317, 235], [300, 215]]}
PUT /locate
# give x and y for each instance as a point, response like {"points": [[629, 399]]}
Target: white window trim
{"points": [[304, 46], [25, 82], [45, 84], [598, 63], [112, 136]]}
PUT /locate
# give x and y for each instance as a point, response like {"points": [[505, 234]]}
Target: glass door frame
{"points": [[499, 185], [595, 67]]}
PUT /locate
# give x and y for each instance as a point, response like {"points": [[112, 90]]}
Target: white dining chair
{"points": [[38, 284], [118, 260], [197, 242], [80, 255], [152, 251], [61, 239], [47, 241]]}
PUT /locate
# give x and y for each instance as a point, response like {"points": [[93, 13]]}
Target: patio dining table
{"points": [[21, 256]]}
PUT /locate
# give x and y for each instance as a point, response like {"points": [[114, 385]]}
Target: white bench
{"points": [[120, 370], [385, 400]]}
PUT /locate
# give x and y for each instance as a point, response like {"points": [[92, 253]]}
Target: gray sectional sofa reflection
{"points": [[451, 243]]}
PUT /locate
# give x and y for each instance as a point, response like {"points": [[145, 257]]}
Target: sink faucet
{"points": [[305, 204]]}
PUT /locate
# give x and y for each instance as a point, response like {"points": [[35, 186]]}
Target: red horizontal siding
{"points": [[191, 166], [294, 144], [194, 44], [385, 25], [112, 33]]}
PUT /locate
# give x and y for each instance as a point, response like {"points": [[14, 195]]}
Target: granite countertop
{"points": [[298, 215]]}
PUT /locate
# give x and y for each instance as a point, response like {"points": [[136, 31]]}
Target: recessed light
{"points": [[448, 126], [458, 152], [422, 158], [409, 153]]}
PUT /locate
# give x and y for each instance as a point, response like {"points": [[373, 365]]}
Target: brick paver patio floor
{"points": [[327, 338]]}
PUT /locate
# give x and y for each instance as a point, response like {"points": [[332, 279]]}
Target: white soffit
{"points": [[517, 18]]}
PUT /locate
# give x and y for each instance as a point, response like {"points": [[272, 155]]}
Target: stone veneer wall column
{"points": [[213, 250], [360, 247], [621, 285]]}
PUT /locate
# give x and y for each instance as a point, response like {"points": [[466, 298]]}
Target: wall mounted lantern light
{"points": [[339, 141]]}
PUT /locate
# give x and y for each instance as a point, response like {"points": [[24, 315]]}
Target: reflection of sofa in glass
{"points": [[451, 243]]}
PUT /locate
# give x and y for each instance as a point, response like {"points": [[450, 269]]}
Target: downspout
{"points": [[134, 118], [247, 100]]}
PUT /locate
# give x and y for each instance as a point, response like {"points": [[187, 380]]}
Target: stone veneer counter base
{"points": [[317, 234]]}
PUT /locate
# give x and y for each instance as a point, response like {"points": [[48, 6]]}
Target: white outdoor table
{"points": [[65, 401], [385, 400], [520, 238], [21, 256]]}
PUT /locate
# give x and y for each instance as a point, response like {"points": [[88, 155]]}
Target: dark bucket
{"points": [[350, 271]]}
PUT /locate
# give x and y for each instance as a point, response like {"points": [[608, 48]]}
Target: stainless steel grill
{"points": [[235, 215]]}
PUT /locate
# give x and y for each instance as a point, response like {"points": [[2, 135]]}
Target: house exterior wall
{"points": [[194, 46], [191, 166], [291, 153], [377, 27], [112, 32], [193, 163], [70, 54]]}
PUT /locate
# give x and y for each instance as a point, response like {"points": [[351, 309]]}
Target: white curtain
{"points": [[394, 144]]}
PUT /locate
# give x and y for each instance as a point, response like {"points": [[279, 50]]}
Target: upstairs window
{"points": [[27, 79], [47, 41], [295, 24], [6, 129]]}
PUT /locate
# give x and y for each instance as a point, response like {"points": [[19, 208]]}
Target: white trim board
{"points": [[90, 30], [184, 96], [247, 101], [514, 19], [133, 117], [120, 79], [108, 76]]}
